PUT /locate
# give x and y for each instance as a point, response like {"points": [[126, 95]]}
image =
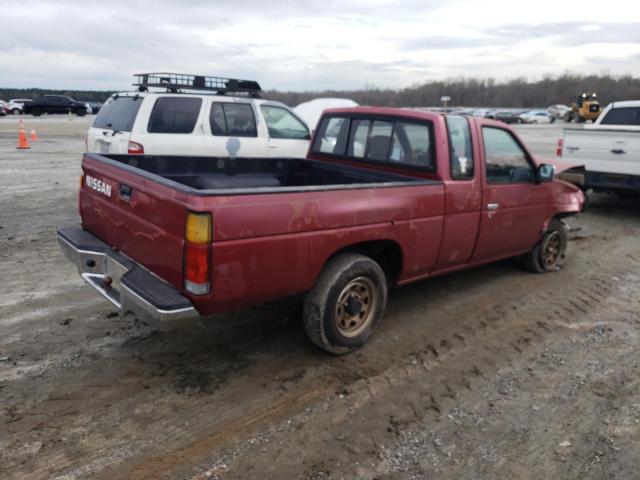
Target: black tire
{"points": [[548, 255], [346, 303], [81, 112], [16, 111], [36, 112]]}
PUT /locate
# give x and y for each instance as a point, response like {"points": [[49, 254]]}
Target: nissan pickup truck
{"points": [[609, 150], [385, 197]]}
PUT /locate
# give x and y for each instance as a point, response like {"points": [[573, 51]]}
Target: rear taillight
{"points": [[197, 253], [559, 147], [135, 148]]}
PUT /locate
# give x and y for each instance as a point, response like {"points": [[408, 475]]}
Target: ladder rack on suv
{"points": [[174, 82]]}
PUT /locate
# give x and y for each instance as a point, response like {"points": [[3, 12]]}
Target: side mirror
{"points": [[545, 173]]}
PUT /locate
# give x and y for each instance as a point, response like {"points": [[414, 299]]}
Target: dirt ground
{"points": [[486, 374]]}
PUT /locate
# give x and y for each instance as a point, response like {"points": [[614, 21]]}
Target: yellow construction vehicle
{"points": [[585, 108]]}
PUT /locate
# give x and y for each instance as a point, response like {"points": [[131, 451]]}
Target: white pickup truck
{"points": [[609, 149]]}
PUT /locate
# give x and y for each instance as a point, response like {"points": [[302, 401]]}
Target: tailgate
{"points": [[100, 140], [135, 215]]}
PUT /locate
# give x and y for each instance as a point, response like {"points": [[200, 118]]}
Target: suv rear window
{"points": [[622, 116], [174, 115], [118, 114]]}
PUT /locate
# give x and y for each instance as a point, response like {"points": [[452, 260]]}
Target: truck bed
{"points": [[225, 176]]}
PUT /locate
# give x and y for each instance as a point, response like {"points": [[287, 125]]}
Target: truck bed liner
{"points": [[224, 176]]}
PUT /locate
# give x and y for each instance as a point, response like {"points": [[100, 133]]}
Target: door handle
{"points": [[492, 206], [125, 192], [618, 151]]}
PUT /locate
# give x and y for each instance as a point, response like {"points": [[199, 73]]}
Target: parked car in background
{"points": [[198, 122], [173, 238], [55, 104], [536, 116], [4, 108], [484, 113], [508, 116], [311, 111], [558, 111], [609, 150], [16, 105], [95, 107]]}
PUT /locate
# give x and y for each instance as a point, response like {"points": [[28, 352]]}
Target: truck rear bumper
{"points": [[122, 281]]}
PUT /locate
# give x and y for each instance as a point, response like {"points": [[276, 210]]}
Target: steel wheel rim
{"points": [[362, 292], [551, 250]]}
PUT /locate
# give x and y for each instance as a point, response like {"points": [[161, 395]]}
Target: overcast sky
{"points": [[310, 45]]}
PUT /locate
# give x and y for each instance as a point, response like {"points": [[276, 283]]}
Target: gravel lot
{"points": [[489, 374]]}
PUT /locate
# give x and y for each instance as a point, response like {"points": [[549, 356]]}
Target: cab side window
{"points": [[506, 161], [622, 116], [232, 120], [460, 148]]}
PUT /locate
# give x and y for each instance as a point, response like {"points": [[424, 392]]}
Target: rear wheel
{"points": [[16, 111], [81, 112], [346, 303], [549, 253]]}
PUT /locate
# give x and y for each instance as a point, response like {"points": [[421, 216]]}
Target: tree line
{"points": [[516, 93]]}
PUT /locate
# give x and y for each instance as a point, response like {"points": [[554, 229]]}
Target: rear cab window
{"points": [[400, 142], [174, 115], [118, 114]]}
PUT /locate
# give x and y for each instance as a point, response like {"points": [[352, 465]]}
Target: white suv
{"points": [[16, 105], [200, 124]]}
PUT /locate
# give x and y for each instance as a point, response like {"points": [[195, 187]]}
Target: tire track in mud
{"points": [[433, 379]]}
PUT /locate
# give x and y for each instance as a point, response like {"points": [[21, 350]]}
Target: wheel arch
{"points": [[386, 253]]}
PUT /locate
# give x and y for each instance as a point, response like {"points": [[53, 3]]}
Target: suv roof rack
{"points": [[173, 82]]}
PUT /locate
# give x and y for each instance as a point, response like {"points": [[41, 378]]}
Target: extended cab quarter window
{"points": [[506, 161], [622, 116], [174, 115], [283, 124], [233, 120], [460, 148]]}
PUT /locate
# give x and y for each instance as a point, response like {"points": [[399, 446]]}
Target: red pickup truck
{"points": [[384, 198]]}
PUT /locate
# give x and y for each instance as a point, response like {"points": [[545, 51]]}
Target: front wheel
{"points": [[346, 303], [81, 112], [16, 111], [549, 253]]}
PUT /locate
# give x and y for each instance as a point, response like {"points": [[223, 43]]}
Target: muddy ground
{"points": [[487, 374]]}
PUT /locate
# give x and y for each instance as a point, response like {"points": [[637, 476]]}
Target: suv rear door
{"points": [[113, 124]]}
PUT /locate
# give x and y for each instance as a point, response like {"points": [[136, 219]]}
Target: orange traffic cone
{"points": [[22, 140], [34, 137]]}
